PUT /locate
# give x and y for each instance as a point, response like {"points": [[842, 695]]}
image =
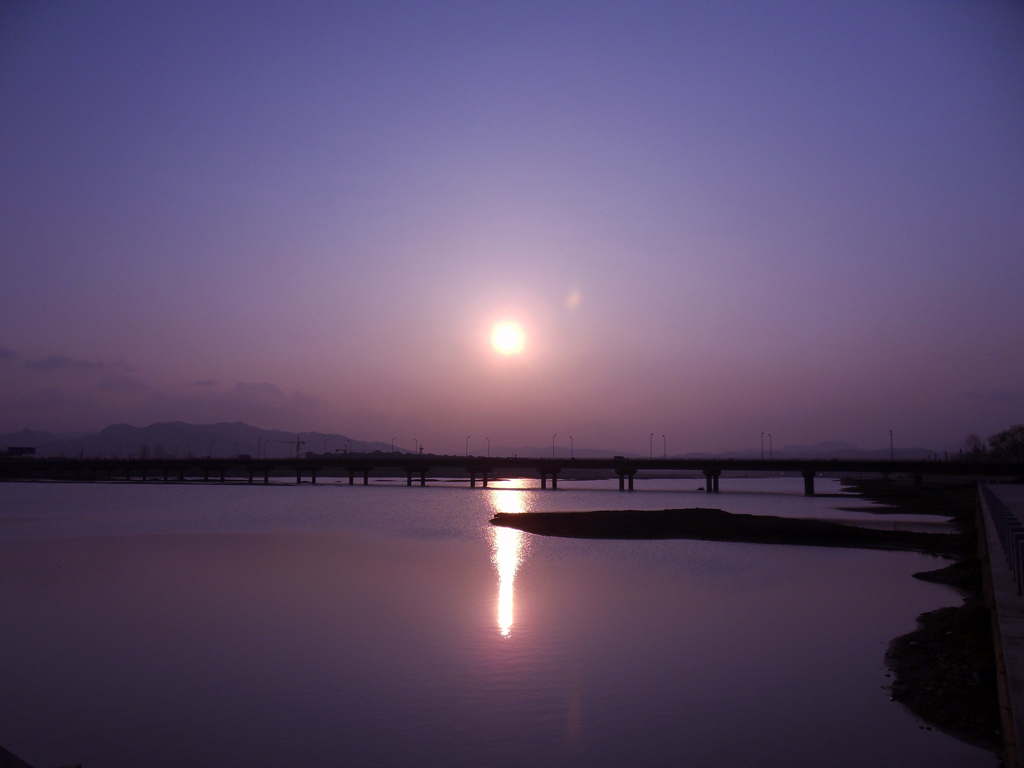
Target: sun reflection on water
{"points": [[507, 548]]}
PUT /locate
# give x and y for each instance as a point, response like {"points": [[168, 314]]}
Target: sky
{"points": [[710, 220]]}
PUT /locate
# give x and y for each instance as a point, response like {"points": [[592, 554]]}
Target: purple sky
{"points": [[802, 218]]}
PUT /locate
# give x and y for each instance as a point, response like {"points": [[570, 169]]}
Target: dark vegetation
{"points": [[1007, 445]]}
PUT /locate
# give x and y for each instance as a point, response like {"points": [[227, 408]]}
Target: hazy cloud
{"points": [[997, 396], [202, 383], [257, 391], [121, 383], [51, 410], [64, 363]]}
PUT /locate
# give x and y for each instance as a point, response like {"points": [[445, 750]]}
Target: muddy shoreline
{"points": [[715, 525]]}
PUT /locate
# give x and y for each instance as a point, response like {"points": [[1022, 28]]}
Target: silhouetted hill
{"points": [[176, 438]]}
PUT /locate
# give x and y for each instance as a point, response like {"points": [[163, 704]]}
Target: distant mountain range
{"points": [[176, 438]]}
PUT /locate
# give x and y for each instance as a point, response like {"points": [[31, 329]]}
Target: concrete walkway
{"points": [[1008, 617]]}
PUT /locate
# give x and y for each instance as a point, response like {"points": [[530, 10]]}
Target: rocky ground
{"points": [[944, 671]]}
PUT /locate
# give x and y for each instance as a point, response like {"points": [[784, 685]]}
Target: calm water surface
{"points": [[163, 625]]}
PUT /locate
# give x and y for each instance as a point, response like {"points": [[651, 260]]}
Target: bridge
{"points": [[480, 469]]}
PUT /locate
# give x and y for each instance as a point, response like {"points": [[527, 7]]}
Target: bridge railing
{"points": [[1010, 529]]}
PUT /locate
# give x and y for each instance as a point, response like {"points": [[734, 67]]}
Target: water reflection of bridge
{"points": [[415, 467]]}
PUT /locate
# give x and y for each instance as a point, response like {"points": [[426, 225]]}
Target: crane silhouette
{"points": [[298, 442]]}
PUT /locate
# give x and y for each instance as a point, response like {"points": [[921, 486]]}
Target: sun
{"points": [[507, 338]]}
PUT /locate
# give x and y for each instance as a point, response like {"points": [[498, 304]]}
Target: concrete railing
{"points": [[1010, 529]]}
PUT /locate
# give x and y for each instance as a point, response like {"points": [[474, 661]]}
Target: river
{"points": [[233, 625]]}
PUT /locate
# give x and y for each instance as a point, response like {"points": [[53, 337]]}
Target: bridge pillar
{"points": [[312, 476], [554, 480], [165, 474], [366, 477], [472, 479], [543, 481], [809, 483], [266, 476], [483, 479], [298, 476], [250, 475], [711, 476], [408, 477], [181, 474], [351, 476], [423, 478], [222, 474], [622, 481], [631, 480], [143, 473]]}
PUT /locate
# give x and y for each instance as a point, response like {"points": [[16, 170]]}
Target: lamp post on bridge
{"points": [[770, 446], [652, 445], [415, 445], [892, 451], [762, 446], [572, 448], [553, 446], [664, 447]]}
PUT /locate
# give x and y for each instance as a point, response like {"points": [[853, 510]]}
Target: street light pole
{"points": [[664, 447], [762, 446], [553, 446], [572, 448], [892, 451], [769, 446], [652, 445]]}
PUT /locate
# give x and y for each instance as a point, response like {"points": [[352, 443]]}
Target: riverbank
{"points": [[716, 525], [944, 671]]}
